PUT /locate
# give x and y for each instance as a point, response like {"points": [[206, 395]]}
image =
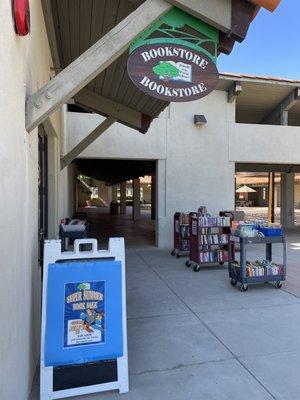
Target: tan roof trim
{"points": [[270, 5], [256, 78]]}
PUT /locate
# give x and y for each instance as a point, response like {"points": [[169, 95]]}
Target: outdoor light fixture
{"points": [[200, 120]]}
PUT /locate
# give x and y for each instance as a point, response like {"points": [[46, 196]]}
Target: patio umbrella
{"points": [[245, 189]]}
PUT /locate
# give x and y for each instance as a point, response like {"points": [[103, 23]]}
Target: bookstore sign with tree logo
{"points": [[175, 59]]}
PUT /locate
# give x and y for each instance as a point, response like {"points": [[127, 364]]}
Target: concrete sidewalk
{"points": [[193, 336]]}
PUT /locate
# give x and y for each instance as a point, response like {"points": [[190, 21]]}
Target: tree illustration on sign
{"points": [[83, 286], [166, 69]]}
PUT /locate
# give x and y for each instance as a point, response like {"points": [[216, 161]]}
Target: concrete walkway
{"points": [[193, 336]]}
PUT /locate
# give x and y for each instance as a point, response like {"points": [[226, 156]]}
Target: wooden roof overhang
{"points": [[73, 26]]}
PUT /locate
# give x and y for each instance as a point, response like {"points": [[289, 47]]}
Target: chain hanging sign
{"points": [[174, 60]]}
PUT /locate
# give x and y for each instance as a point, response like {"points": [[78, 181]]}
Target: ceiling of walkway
{"points": [[114, 171], [260, 96], [75, 25]]}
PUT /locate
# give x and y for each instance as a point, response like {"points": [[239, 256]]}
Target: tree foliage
{"points": [[166, 69]]}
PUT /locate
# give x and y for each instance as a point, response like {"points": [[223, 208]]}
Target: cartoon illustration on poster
{"points": [[84, 321]]}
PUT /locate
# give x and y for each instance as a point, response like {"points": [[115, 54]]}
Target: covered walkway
{"points": [[102, 225], [192, 336]]}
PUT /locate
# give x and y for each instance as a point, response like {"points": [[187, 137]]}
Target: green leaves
{"points": [[166, 69]]}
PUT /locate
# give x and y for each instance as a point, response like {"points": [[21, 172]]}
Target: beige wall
{"points": [[195, 164], [24, 67], [264, 143]]}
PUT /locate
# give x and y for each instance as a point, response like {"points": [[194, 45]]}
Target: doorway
{"points": [[118, 198], [42, 191]]}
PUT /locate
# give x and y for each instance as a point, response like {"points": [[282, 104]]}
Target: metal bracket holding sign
{"points": [[84, 330]]}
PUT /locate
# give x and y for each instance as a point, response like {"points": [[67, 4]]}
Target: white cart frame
{"points": [[52, 253]]}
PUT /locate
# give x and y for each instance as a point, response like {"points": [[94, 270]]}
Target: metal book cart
{"points": [[239, 274], [209, 240], [181, 234]]}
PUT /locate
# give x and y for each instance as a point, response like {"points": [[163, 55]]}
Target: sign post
{"points": [[84, 333]]}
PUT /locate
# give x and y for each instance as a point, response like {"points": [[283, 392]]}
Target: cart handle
{"points": [[79, 242]]}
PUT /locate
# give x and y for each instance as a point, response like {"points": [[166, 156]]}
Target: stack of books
{"points": [[259, 268], [214, 239], [184, 231], [184, 218], [214, 221], [213, 256]]}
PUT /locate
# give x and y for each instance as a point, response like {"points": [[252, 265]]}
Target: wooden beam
{"points": [[91, 63], [121, 113], [89, 139], [285, 105], [49, 22], [234, 91], [49, 128], [242, 14]]}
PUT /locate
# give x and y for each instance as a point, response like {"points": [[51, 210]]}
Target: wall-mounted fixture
{"points": [[200, 120], [21, 12]]}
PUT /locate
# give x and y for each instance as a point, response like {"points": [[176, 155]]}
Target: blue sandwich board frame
{"points": [[83, 313]]}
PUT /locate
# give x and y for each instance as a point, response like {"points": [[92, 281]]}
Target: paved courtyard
{"points": [[193, 336]]}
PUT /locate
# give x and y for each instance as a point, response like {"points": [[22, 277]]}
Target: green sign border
{"points": [[175, 20]]}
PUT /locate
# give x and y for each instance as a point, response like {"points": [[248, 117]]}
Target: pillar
{"points": [[287, 194], [136, 210], [153, 196], [115, 192], [123, 198], [164, 223], [271, 199]]}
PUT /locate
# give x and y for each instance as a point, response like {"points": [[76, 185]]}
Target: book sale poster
{"points": [[84, 318]]}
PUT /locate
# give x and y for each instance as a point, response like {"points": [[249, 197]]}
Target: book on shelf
{"points": [[213, 256], [184, 231], [214, 221], [259, 268], [184, 245], [212, 239]]}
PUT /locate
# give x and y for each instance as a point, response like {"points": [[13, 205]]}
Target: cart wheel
{"points": [[196, 268], [278, 285], [178, 255], [244, 288], [173, 253], [221, 262], [233, 282], [188, 263]]}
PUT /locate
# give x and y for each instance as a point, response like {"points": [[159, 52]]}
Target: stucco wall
{"points": [[264, 143], [24, 67], [193, 163], [197, 168]]}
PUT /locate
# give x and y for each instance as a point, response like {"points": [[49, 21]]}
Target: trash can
{"points": [[114, 207]]}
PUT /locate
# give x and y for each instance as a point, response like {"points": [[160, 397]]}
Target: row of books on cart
{"points": [[213, 256], [258, 268], [213, 239], [213, 221]]}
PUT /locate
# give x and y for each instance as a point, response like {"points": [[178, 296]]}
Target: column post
{"points": [[153, 196], [136, 210], [123, 198], [287, 193]]}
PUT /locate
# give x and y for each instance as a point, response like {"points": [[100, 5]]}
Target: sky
{"points": [[271, 47]]}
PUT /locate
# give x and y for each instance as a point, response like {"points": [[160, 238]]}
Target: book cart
{"points": [[181, 234], [258, 271], [209, 240]]}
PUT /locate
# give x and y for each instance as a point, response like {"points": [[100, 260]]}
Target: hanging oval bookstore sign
{"points": [[172, 72]]}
